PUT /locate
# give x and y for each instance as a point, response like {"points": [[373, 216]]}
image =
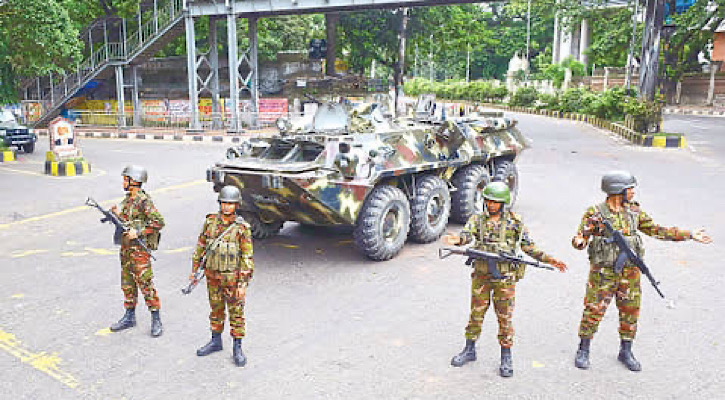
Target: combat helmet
{"points": [[616, 182], [497, 191], [230, 194], [136, 173]]}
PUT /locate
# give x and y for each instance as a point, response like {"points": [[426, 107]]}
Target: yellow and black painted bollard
{"points": [[73, 167], [7, 155]]}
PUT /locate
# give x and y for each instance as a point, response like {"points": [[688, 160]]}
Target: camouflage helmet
{"points": [[497, 191], [230, 194], [136, 173], [616, 182]]}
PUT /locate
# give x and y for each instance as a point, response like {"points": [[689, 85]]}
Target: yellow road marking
{"points": [[344, 242], [102, 252], [103, 203], [28, 253], [41, 361], [17, 296], [103, 332], [95, 173], [537, 364], [289, 246], [179, 250], [74, 254]]}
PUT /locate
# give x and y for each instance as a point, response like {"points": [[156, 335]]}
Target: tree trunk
{"points": [[400, 66], [654, 16], [331, 20]]}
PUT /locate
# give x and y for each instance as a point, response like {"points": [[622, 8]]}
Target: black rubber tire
{"points": [[368, 234], [468, 181], [505, 171], [260, 229], [428, 190], [29, 148]]}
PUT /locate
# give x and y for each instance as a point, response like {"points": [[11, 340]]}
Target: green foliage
{"points": [[643, 115], [37, 37], [482, 91], [557, 72], [548, 101], [524, 96], [609, 104]]}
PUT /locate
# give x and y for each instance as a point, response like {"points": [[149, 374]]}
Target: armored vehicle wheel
{"points": [[468, 199], [505, 171], [430, 209], [383, 222], [28, 148], [261, 229]]}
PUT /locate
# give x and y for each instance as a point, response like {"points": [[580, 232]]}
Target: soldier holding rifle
{"points": [[612, 275], [496, 230]]}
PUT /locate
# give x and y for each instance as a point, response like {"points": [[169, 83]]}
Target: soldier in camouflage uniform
{"points": [[604, 283], [139, 213], [496, 229], [225, 247]]}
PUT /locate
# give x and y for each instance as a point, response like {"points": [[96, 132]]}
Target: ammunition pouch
{"points": [[604, 252]]}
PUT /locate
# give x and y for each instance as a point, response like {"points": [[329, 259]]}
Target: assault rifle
{"points": [[121, 228], [199, 274], [626, 253], [491, 259]]}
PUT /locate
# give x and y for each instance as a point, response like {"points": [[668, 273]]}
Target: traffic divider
{"points": [[7, 155]]}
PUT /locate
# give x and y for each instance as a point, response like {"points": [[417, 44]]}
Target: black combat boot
{"points": [[215, 344], [239, 359], [506, 369], [467, 354], [627, 358], [582, 355], [156, 328], [127, 321]]}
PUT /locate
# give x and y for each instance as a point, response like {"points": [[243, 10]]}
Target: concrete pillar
{"points": [[120, 98], [584, 41], [605, 84], [214, 84], [678, 95], [135, 97], [191, 73], [714, 67], [233, 60]]}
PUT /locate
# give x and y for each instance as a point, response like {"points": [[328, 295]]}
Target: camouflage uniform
{"points": [[229, 267], [494, 236], [603, 282], [139, 213]]}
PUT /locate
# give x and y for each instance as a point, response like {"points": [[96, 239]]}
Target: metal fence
{"points": [[178, 121]]}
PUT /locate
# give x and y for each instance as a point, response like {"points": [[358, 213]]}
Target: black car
{"points": [[13, 134]]}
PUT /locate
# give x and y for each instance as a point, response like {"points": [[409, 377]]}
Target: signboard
{"points": [[271, 109], [63, 139], [154, 110]]}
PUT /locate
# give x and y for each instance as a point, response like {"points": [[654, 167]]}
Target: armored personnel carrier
{"points": [[390, 180]]}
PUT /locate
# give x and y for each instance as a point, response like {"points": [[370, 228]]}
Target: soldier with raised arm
{"points": [[605, 281]]}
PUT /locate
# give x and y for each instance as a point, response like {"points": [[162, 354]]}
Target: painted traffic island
{"points": [[65, 157]]}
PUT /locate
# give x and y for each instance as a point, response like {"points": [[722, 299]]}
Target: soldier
{"points": [[139, 213], [496, 229], [225, 246], [604, 283]]}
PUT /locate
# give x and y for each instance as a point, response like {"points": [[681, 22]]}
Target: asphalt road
{"points": [[322, 321]]}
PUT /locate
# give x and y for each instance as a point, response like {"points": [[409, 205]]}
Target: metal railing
{"points": [[61, 87], [178, 121]]}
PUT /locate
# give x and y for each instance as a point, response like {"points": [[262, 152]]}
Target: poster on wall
{"points": [[179, 110], [271, 108], [154, 110]]}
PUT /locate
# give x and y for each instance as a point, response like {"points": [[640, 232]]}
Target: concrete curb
{"points": [[682, 111], [7, 155], [670, 141], [156, 137], [67, 168]]}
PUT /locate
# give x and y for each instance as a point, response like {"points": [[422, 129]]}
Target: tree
{"points": [[37, 37]]}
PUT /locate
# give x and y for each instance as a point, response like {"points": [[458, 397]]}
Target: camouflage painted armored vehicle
{"points": [[389, 180]]}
